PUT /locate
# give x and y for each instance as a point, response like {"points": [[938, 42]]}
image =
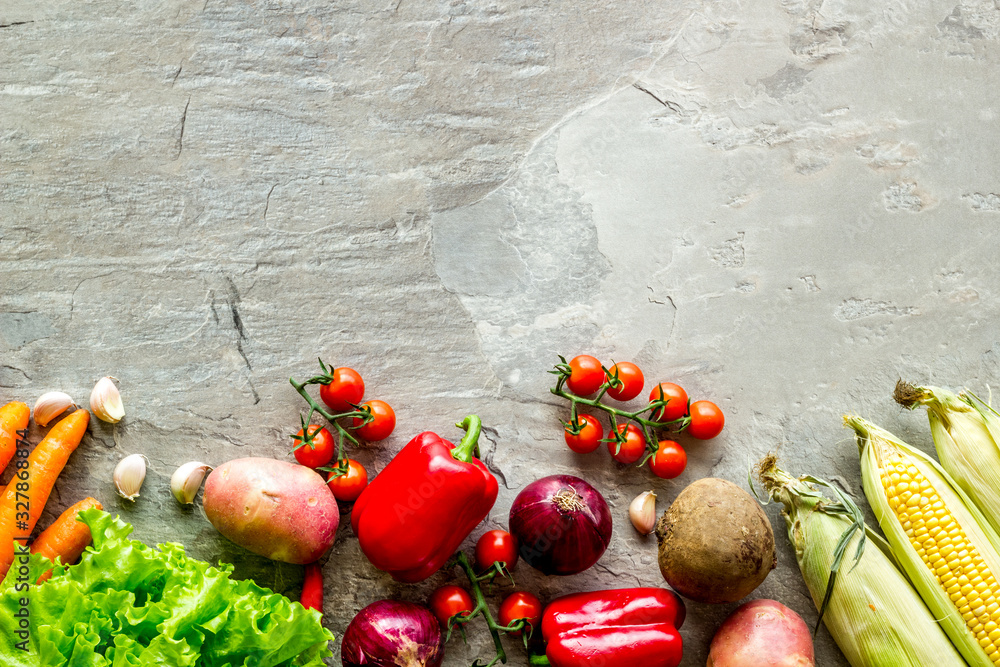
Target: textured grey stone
{"points": [[784, 206]]}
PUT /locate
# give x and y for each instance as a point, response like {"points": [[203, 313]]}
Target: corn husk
{"points": [[877, 446], [966, 433], [865, 600]]}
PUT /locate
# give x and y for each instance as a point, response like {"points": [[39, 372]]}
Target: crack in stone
{"points": [[673, 106], [267, 202], [72, 298], [5, 368], [618, 575], [487, 458], [241, 335], [180, 138]]}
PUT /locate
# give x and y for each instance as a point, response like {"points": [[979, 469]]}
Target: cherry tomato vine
{"points": [[515, 626], [634, 439], [341, 389], [644, 421]]}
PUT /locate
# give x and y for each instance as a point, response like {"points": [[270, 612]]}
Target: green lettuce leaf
{"points": [[129, 605]]}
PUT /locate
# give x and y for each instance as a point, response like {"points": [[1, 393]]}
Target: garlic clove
{"points": [[642, 512], [106, 401], [186, 481], [50, 405], [129, 475]]}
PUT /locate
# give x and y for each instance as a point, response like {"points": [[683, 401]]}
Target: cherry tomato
{"points": [[450, 600], [633, 447], [381, 426], [586, 375], [496, 545], [707, 420], [346, 387], [631, 378], [520, 605], [589, 437], [319, 451], [349, 486], [676, 398], [669, 461]]}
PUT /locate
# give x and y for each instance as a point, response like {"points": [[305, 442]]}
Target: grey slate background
{"points": [[784, 206]]}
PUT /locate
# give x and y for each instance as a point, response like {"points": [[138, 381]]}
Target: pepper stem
{"points": [[540, 660], [469, 446]]}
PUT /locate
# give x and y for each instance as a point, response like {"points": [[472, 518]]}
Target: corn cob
{"points": [[966, 434], [942, 541], [868, 605]]}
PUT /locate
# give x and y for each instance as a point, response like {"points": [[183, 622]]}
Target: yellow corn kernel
{"points": [[945, 549]]}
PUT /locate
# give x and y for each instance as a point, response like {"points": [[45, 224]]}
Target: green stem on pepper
{"points": [[469, 446], [648, 424]]}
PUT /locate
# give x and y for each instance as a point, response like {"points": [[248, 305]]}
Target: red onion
{"points": [[561, 523], [389, 633]]}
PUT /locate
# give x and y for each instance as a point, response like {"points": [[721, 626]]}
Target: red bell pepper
{"points": [[411, 519], [628, 627]]}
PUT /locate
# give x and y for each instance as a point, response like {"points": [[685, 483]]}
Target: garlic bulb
{"points": [[186, 481], [642, 512], [106, 401], [50, 405], [129, 475]]}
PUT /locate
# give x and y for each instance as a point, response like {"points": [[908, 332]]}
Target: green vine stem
{"points": [[363, 413], [648, 425], [482, 609]]}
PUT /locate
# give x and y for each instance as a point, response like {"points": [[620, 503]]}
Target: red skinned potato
{"points": [[277, 509], [762, 633]]}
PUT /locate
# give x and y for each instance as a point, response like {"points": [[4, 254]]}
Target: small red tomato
{"points": [[520, 605], [382, 423], [676, 398], [669, 461], [631, 381], [348, 487], [632, 449], [586, 375], [448, 601], [320, 449], [707, 420], [589, 437], [346, 387], [494, 546]]}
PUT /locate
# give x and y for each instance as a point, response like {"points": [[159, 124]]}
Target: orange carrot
{"points": [[66, 537], [13, 418], [20, 509]]}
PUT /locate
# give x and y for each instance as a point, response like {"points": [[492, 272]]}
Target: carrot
{"points": [[13, 418], [45, 463], [66, 537]]}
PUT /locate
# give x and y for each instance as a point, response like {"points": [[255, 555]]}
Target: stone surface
{"points": [[784, 206]]}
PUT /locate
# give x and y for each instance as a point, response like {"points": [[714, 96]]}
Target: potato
{"points": [[762, 633], [716, 544], [273, 508]]}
